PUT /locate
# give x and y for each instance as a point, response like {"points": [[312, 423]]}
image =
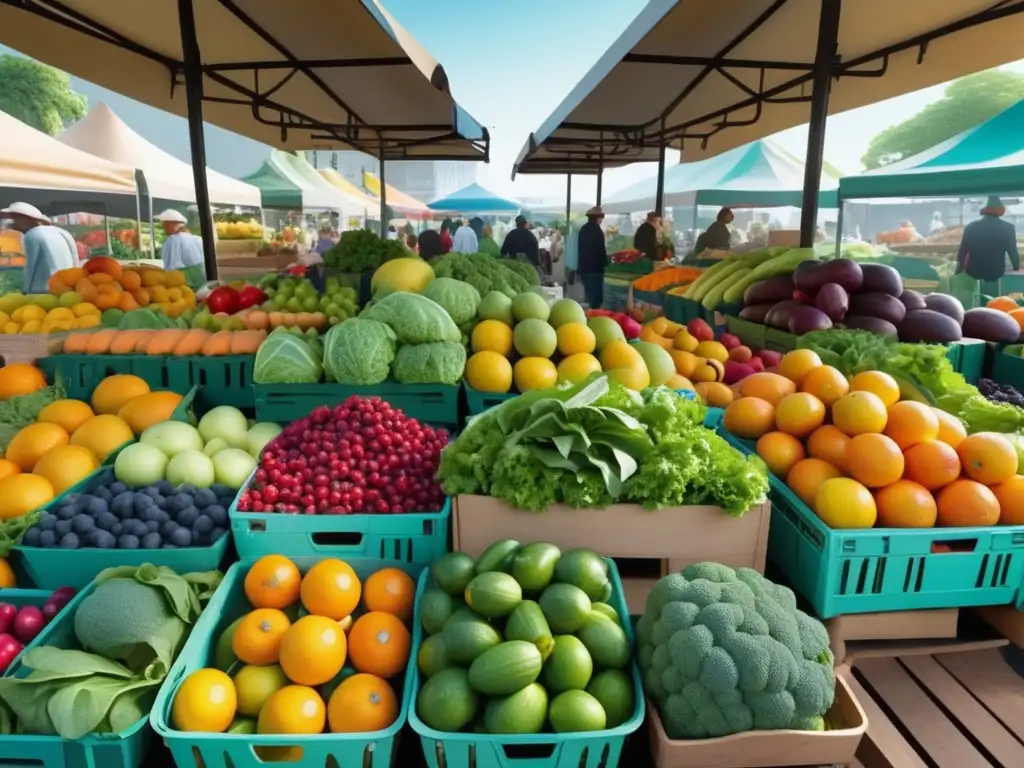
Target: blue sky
{"points": [[510, 67]]}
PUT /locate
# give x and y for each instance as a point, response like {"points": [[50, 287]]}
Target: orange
{"points": [[273, 582], [905, 504], [293, 709], [825, 383], [1018, 316], [780, 452], [1003, 304], [313, 650], [932, 465], [910, 423], [31, 442], [331, 588], [874, 460], [206, 701], [845, 503], [828, 443], [8, 468], [1010, 496], [767, 386], [951, 429], [859, 413], [882, 385], [362, 704], [258, 636], [967, 503], [798, 363], [69, 415], [7, 578], [799, 414], [378, 643], [390, 590], [806, 476], [988, 458], [749, 417], [255, 684]]}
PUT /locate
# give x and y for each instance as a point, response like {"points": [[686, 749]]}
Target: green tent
{"points": [[285, 182]]}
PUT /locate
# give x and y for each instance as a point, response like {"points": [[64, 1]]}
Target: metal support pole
{"points": [[824, 61], [659, 196], [383, 196], [197, 143], [600, 168], [568, 203]]}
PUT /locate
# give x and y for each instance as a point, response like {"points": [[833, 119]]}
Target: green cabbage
{"points": [[284, 358], [460, 300], [440, 362], [359, 351], [415, 319]]}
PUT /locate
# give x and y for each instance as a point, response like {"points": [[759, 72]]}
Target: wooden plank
{"points": [[987, 675], [883, 745], [944, 745], [873, 649], [978, 721]]}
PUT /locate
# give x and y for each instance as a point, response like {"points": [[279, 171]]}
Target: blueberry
{"points": [[161, 516], [205, 498], [70, 541], [188, 489], [218, 515], [168, 546], [63, 528], [74, 498], [47, 521], [164, 487], [89, 539], [141, 504], [181, 501], [127, 541], [107, 477], [106, 521], [168, 528], [48, 539], [66, 511], [226, 501], [82, 524], [152, 526], [97, 506], [117, 528], [219, 489], [118, 488], [124, 505], [216, 534], [105, 540], [181, 537], [138, 527], [187, 516], [203, 524], [32, 537], [151, 541]]}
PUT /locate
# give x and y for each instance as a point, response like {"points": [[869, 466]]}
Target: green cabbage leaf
{"points": [[359, 351]]}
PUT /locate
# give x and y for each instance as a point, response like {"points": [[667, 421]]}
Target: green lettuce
{"points": [[359, 351], [460, 300], [415, 319], [440, 362], [284, 358]]}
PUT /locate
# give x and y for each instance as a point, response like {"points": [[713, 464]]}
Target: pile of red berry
{"points": [[361, 457]]}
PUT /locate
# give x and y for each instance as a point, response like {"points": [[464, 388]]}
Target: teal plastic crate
{"points": [[82, 373], [681, 310], [429, 403], [780, 341], [479, 402], [225, 380], [890, 569], [598, 749], [226, 750], [750, 333], [1008, 369], [127, 749]]}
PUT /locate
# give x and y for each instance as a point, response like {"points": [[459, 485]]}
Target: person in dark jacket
{"points": [[985, 246], [522, 242], [716, 237], [646, 238], [430, 244], [593, 258]]}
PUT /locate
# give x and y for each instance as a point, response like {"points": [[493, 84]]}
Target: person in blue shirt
{"points": [[985, 246], [48, 248]]}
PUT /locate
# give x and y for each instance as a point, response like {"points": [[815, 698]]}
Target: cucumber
{"points": [[534, 565], [586, 569], [497, 557], [606, 610], [523, 712], [506, 668], [576, 712], [606, 641], [613, 689], [452, 572], [565, 607], [527, 623], [436, 607], [494, 594], [569, 667], [447, 702], [465, 640], [433, 656]]}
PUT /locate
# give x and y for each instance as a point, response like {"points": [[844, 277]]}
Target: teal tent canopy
{"points": [[475, 199], [987, 159], [757, 175]]}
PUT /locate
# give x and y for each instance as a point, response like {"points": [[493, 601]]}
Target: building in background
{"points": [[425, 180]]}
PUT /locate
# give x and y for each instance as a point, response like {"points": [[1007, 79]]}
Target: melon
{"points": [[635, 378], [660, 364], [66, 466], [113, 392], [406, 274], [535, 338], [140, 413], [534, 373], [530, 306], [69, 415], [496, 306], [102, 434], [605, 331], [620, 354], [576, 368], [20, 494], [566, 311], [31, 442]]}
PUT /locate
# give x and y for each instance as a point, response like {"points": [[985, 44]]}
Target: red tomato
{"points": [[223, 299]]}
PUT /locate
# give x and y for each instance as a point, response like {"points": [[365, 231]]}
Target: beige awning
{"points": [[397, 200], [724, 75], [304, 74], [347, 188]]}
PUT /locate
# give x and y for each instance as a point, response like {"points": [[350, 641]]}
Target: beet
{"points": [[769, 291], [913, 300], [880, 305], [757, 312], [927, 325], [805, 276], [804, 319], [872, 324], [990, 325], [947, 305], [833, 300], [845, 272], [881, 278], [778, 316]]}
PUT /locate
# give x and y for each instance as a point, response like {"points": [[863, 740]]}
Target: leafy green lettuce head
{"points": [[460, 300], [439, 362], [415, 319], [284, 358], [359, 351]]}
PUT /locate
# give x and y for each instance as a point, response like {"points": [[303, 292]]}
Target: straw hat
{"points": [[26, 210], [171, 215]]}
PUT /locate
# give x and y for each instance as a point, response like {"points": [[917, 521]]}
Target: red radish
{"points": [[700, 330], [62, 596], [29, 623], [729, 341], [50, 609], [7, 615], [9, 649], [630, 327], [770, 357], [756, 363]]}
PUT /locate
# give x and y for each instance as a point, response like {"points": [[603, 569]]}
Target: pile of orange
{"points": [[318, 652], [861, 457]]}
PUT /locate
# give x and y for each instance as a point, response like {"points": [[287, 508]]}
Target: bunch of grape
{"points": [[1000, 393]]}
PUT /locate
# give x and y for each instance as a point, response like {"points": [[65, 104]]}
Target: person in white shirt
{"points": [[181, 249], [48, 248], [465, 240]]}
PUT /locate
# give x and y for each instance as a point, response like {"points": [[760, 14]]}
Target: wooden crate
{"points": [[29, 347]]}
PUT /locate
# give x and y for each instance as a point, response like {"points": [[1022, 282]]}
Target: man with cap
{"points": [[181, 249], [592, 258], [48, 249], [522, 242], [646, 238], [985, 246]]}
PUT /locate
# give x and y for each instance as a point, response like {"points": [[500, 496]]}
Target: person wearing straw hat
{"points": [[592, 258], [181, 248], [48, 248], [985, 246]]}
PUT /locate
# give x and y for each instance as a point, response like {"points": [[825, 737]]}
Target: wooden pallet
{"points": [[946, 710]]}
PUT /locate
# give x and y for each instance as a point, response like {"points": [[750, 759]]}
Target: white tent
{"points": [[104, 134]]}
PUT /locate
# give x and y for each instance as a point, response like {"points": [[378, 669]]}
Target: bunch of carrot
{"points": [[660, 279]]}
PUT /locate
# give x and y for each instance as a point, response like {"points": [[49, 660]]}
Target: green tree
{"points": [[38, 95], [966, 103]]}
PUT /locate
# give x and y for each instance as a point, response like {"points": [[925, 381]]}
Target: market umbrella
{"points": [[475, 199]]}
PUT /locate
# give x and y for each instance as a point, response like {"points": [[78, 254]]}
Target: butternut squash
{"points": [[163, 342], [76, 343], [142, 341], [246, 342], [124, 343], [218, 344], [100, 342], [191, 343]]}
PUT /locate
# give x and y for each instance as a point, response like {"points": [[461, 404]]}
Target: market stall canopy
{"points": [[350, 190], [556, 208], [747, 73], [987, 159], [397, 200], [302, 169], [104, 134], [475, 199], [272, 71], [281, 186], [759, 175]]}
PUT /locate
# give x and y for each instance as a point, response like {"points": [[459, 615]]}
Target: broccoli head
{"points": [[724, 651]]}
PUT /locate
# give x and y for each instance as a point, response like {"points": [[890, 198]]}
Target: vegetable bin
{"points": [[81, 373], [429, 403]]}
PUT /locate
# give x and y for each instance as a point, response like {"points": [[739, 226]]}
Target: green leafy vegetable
{"points": [[360, 250], [439, 362], [284, 358], [415, 319], [359, 351], [460, 300], [483, 272]]}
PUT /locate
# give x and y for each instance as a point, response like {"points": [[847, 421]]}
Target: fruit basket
{"points": [[542, 750], [225, 380], [81, 373], [479, 402], [430, 403], [217, 750]]}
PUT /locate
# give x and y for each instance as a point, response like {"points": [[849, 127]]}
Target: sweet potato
{"points": [[77, 343], [142, 341], [218, 344], [124, 343], [100, 342], [163, 342], [246, 342], [191, 343]]}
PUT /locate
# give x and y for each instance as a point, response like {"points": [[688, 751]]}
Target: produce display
{"points": [[230, 226], [126, 634], [320, 652], [706, 642], [597, 443], [167, 342], [360, 457], [360, 250], [536, 646], [291, 295], [671, 277], [861, 456], [725, 282], [103, 283], [486, 273], [18, 627]]}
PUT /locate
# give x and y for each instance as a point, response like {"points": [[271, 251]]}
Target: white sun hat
{"points": [[172, 215], [26, 210]]}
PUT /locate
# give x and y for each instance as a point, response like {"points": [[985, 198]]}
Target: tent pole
{"points": [[659, 195], [197, 143], [383, 195], [568, 201], [824, 61], [600, 168]]}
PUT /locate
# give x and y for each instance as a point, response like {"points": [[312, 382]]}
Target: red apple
{"points": [[770, 357], [700, 330], [729, 341], [756, 363]]}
